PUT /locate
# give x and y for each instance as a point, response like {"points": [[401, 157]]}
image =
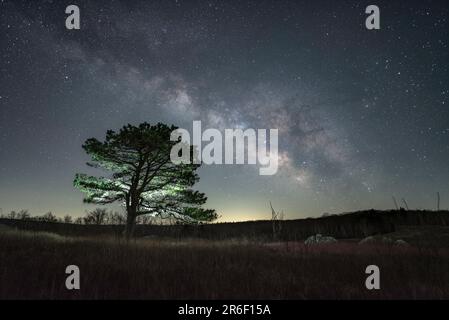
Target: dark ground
{"points": [[186, 266], [344, 226]]}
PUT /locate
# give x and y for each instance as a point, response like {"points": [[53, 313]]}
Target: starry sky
{"points": [[362, 115]]}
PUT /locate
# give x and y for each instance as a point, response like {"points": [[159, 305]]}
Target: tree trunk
{"points": [[130, 224]]}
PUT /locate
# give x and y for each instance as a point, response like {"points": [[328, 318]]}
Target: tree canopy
{"points": [[142, 177]]}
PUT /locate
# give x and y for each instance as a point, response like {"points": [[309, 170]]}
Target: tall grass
{"points": [[353, 225], [32, 266]]}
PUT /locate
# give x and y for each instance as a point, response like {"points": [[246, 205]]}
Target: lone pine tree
{"points": [[142, 176]]}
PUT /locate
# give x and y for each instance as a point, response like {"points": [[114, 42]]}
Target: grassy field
{"points": [[32, 266], [357, 224]]}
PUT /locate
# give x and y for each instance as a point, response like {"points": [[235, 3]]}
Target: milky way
{"points": [[362, 115]]}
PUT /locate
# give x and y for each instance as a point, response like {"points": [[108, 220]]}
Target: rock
{"points": [[373, 240], [401, 242], [369, 239], [383, 240], [318, 239], [387, 240]]}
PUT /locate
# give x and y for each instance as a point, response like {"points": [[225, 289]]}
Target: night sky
{"points": [[362, 115]]}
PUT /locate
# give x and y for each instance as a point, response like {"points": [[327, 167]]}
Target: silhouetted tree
{"points": [[22, 215], [142, 176], [116, 218], [276, 218], [67, 219], [49, 217], [78, 220], [97, 216], [12, 215]]}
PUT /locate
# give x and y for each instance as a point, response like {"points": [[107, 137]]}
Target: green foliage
{"points": [[142, 176]]}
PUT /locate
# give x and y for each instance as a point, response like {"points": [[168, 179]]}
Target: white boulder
{"points": [[401, 242], [318, 238]]}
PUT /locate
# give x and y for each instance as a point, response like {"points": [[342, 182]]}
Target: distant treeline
{"points": [[344, 226], [98, 216]]}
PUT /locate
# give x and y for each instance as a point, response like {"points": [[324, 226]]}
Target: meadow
{"points": [[32, 266]]}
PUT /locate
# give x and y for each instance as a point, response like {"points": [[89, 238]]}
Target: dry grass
{"points": [[32, 266]]}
